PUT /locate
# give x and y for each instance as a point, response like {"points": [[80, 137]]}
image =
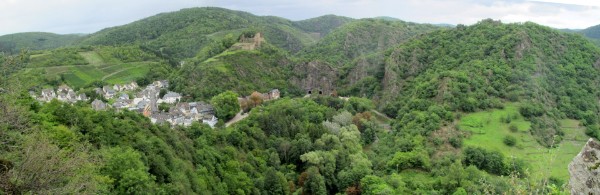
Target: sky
{"points": [[88, 16]]}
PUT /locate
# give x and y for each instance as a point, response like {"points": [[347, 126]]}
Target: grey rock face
{"points": [[585, 170]]}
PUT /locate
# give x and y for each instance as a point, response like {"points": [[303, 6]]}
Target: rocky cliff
{"points": [[584, 170]]}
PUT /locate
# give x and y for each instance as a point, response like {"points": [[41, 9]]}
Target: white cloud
{"points": [[86, 16]]}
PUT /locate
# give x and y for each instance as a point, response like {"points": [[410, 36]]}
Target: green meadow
{"points": [[488, 129]]}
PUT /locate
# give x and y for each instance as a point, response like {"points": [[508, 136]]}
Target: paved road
{"points": [[238, 117]]}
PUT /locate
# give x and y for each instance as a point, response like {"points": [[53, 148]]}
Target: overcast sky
{"points": [[87, 16]]}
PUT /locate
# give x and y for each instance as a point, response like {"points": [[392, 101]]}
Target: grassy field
{"points": [[488, 131], [80, 75]]}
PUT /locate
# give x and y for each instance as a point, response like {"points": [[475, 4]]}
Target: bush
{"points": [[506, 119], [510, 140], [456, 141], [513, 128], [490, 161], [593, 131], [530, 109]]}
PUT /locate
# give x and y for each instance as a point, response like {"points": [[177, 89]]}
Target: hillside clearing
{"points": [[488, 131]]}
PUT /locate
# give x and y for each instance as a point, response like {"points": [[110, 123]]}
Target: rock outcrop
{"points": [[585, 170], [315, 77]]}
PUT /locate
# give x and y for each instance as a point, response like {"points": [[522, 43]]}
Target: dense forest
{"points": [[415, 108]]}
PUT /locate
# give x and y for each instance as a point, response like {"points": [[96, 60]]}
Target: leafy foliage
{"points": [[226, 105]]}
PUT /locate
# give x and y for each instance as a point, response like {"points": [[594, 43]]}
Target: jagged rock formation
{"points": [[584, 170], [315, 77]]}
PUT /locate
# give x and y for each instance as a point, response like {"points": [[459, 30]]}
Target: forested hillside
{"points": [[14, 43], [323, 24], [242, 71], [593, 33], [480, 66], [490, 108], [184, 33], [362, 37]]}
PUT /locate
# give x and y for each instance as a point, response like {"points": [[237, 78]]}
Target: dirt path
{"points": [[238, 117], [385, 123], [117, 72], [381, 114]]}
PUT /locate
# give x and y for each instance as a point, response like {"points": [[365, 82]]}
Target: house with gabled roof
{"points": [[171, 97], [99, 105], [48, 94], [108, 92]]}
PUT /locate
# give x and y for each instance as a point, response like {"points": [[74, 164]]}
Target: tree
{"points": [[256, 98], [125, 167], [47, 169], [275, 183], [372, 185], [315, 182], [360, 166], [226, 105], [164, 107]]}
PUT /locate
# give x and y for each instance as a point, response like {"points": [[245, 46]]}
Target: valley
{"points": [[328, 105]]}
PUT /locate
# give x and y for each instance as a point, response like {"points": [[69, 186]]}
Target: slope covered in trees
{"points": [[593, 33], [362, 37], [480, 66], [184, 33], [14, 43], [323, 24], [242, 71]]}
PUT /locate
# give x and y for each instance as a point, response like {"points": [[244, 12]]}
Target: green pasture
{"points": [[487, 130]]}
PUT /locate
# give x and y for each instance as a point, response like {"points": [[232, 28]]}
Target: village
{"points": [[146, 102]]}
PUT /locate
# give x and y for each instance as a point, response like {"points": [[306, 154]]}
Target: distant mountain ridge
{"points": [[13, 43]]}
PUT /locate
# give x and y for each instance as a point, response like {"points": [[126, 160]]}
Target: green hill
{"points": [[13, 43], [480, 66], [182, 34], [362, 37], [241, 71], [323, 24], [592, 32]]}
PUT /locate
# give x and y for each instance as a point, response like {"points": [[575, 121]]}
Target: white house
{"points": [[171, 97], [48, 94]]}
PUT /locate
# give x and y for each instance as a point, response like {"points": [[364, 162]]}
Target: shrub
{"points": [[510, 140], [456, 142], [530, 109], [506, 119], [513, 128], [593, 131]]}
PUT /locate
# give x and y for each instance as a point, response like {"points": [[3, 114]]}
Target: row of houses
{"points": [[184, 113], [64, 93], [109, 92], [147, 100]]}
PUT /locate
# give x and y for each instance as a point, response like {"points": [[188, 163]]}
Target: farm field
{"points": [[97, 70], [488, 130]]}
